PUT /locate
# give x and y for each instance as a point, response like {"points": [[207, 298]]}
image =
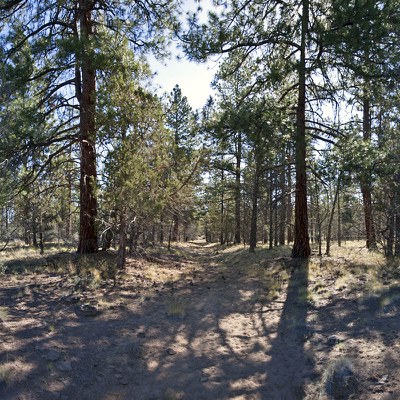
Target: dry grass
{"points": [[171, 394], [339, 379], [5, 374], [176, 307], [4, 313]]}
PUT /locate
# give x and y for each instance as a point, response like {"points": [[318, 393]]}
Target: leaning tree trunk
{"points": [[301, 246], [86, 95]]}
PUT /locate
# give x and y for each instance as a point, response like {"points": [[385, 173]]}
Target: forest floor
{"points": [[200, 322]]}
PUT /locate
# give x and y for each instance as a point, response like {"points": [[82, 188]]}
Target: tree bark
{"points": [[161, 234], [222, 210], [365, 182], [271, 211], [175, 227], [237, 189], [289, 207], [301, 246], [339, 223], [69, 211], [390, 227], [329, 231], [283, 202], [396, 223], [121, 258], [254, 211], [88, 175], [318, 224]]}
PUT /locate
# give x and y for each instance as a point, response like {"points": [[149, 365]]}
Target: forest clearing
{"points": [[202, 321]]}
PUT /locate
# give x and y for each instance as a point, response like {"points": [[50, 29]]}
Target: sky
{"points": [[194, 79]]}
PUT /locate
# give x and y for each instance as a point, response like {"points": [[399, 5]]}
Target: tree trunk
{"points": [[222, 225], [390, 235], [34, 228], [69, 212], [289, 207], [237, 189], [121, 258], [88, 176], [254, 211], [301, 246], [283, 202], [339, 223], [175, 227], [161, 233], [397, 236], [396, 223], [271, 211], [328, 234], [41, 243], [319, 224], [366, 184]]}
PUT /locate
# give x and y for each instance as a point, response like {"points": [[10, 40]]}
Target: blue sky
{"points": [[194, 79]]}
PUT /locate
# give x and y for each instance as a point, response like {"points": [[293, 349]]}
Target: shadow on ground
{"points": [[224, 342]]}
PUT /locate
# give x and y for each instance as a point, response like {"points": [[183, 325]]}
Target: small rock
{"points": [[87, 310], [123, 381], [64, 366], [383, 380], [332, 340], [170, 351], [71, 298], [52, 355]]}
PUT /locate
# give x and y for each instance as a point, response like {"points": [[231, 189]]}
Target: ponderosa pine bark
{"points": [[289, 206], [88, 175], [175, 226], [271, 210], [222, 238], [254, 211], [301, 246], [329, 231], [365, 182], [238, 227], [339, 223]]}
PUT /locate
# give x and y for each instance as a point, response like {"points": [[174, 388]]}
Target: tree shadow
{"points": [[227, 345], [287, 350]]}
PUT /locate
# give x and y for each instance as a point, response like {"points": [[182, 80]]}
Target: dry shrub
{"points": [[339, 379]]}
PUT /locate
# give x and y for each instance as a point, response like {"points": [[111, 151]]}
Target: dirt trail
{"points": [[198, 324]]}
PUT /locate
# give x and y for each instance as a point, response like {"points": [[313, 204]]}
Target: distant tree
{"points": [[181, 120]]}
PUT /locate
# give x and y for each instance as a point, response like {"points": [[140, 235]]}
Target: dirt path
{"points": [[205, 323]]}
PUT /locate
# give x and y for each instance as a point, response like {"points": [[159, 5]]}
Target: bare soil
{"points": [[203, 322]]}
